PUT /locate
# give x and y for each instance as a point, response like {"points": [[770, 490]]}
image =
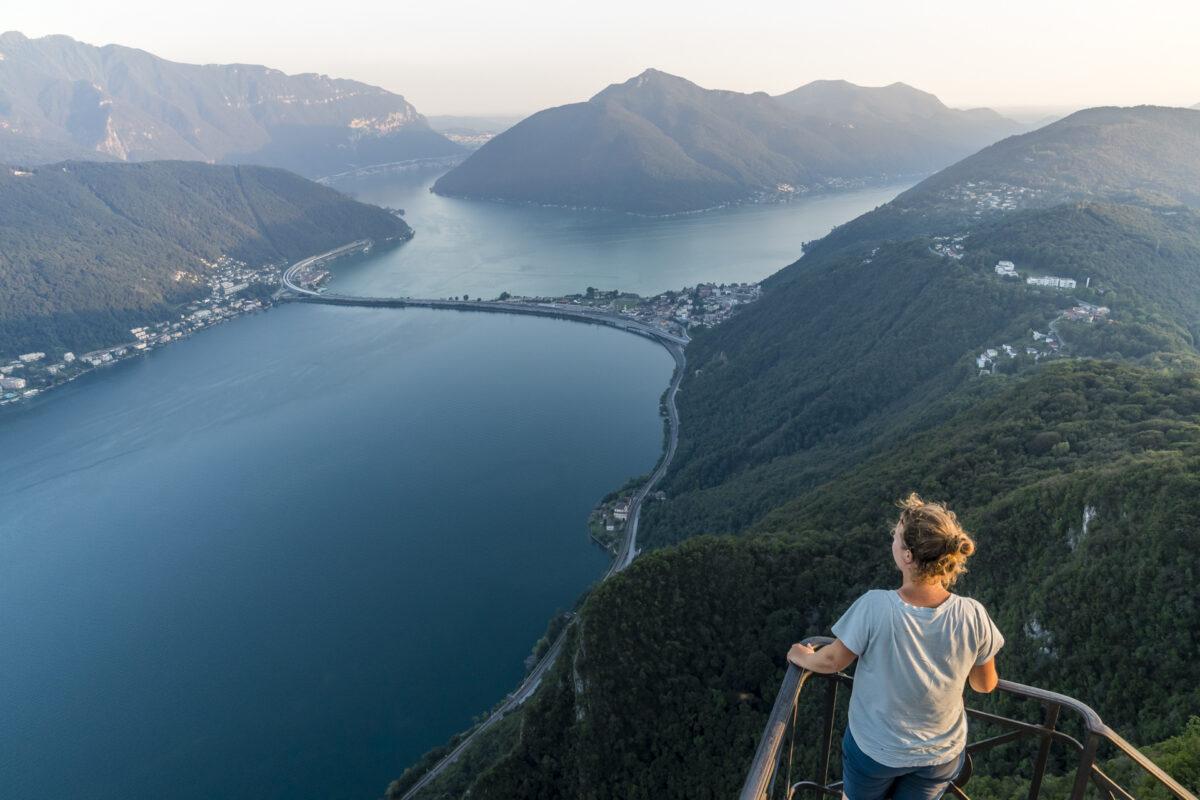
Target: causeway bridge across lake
{"points": [[545, 309]]}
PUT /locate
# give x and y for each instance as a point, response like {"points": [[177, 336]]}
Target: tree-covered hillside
{"points": [[659, 144], [91, 250], [1144, 156], [1081, 485], [894, 358], [861, 348]]}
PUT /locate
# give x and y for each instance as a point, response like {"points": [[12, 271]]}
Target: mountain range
{"points": [[659, 144], [863, 374], [63, 99]]}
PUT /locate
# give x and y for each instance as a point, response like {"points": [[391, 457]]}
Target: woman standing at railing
{"points": [[916, 647]]}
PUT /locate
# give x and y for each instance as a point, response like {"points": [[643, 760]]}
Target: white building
{"points": [[1052, 282], [29, 358], [1006, 269], [621, 509]]}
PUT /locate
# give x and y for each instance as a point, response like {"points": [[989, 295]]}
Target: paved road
{"points": [[628, 550], [559, 310]]}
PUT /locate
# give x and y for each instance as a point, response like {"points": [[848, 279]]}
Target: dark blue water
{"points": [[286, 556]]}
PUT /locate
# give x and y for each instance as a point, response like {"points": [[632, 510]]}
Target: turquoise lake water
{"points": [[286, 556]]}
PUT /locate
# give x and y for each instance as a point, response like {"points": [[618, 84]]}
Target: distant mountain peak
{"points": [[652, 79], [62, 99], [658, 143]]}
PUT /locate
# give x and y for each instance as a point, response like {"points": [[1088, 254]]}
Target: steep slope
{"points": [[1144, 155], [91, 250], [676, 662], [659, 144], [872, 325], [853, 382], [65, 99]]}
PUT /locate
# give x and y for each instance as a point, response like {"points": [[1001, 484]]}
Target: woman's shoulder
{"points": [[877, 598], [969, 607]]}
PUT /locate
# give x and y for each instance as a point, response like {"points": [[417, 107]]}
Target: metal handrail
{"points": [[760, 782]]}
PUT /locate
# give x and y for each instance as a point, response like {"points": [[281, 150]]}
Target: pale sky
{"points": [[518, 56]]}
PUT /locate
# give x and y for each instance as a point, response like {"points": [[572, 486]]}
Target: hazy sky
{"points": [[492, 57]]}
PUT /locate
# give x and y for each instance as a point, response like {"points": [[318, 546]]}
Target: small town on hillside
{"points": [[984, 196], [1047, 344], [235, 289]]}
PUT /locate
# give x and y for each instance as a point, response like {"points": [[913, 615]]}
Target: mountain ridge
{"points": [[60, 98], [660, 144]]}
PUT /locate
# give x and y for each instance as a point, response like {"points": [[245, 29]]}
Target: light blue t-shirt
{"points": [[906, 709]]}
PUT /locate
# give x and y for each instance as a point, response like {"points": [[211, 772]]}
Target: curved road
{"points": [[628, 550]]}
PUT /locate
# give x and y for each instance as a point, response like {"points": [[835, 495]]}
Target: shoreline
{"points": [[834, 186]]}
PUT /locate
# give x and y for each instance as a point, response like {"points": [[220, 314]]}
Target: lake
{"points": [[286, 556]]}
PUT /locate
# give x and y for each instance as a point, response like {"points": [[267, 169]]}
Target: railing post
{"points": [[1035, 783], [766, 760], [1087, 758], [827, 744]]}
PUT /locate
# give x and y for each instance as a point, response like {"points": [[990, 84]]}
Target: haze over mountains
{"points": [[62, 99], [659, 144]]}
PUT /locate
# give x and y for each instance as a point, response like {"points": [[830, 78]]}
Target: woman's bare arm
{"points": [[983, 677], [833, 657]]}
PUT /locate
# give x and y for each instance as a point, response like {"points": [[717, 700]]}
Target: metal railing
{"points": [[760, 783]]}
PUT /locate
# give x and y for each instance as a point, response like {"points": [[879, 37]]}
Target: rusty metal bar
{"points": [[1035, 783], [1087, 758]]}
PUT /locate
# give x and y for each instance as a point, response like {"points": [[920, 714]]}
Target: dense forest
{"points": [[855, 381], [91, 250]]}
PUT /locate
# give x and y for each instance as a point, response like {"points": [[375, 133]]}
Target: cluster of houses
{"points": [[706, 305], [951, 246], [14, 383], [1086, 312], [988, 197], [228, 279], [1045, 344]]}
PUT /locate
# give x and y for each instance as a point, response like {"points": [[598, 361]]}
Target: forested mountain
{"points": [[91, 250], [659, 144], [1145, 156], [62, 99], [855, 380]]}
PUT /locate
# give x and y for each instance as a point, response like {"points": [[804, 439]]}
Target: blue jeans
{"points": [[864, 778]]}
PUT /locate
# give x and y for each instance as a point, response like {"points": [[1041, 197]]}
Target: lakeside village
{"points": [[704, 305], [235, 289]]}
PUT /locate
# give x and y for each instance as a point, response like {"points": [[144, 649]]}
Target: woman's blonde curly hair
{"points": [[939, 545]]}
